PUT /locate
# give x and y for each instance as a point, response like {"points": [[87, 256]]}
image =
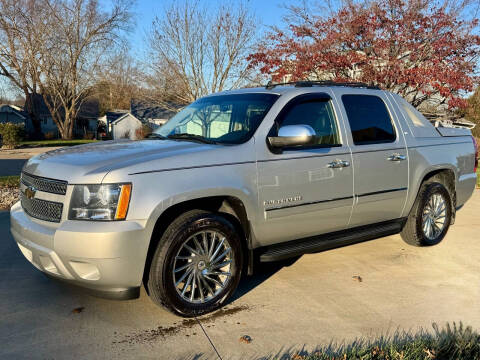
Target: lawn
{"points": [[450, 342], [9, 181], [55, 142]]}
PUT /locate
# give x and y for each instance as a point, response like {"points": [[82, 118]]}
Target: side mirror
{"points": [[292, 135]]}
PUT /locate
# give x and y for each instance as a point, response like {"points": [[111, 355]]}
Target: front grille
{"points": [[44, 184], [42, 209]]}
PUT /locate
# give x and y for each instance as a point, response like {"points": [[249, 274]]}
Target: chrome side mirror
{"points": [[292, 135]]}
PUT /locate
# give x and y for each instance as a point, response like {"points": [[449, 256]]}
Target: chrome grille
{"points": [[42, 209], [44, 184]]}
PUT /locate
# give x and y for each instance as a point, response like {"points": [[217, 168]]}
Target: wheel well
{"points": [[444, 176], [447, 178], [230, 207]]}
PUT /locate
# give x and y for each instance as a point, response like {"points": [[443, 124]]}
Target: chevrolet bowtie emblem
{"points": [[30, 192]]}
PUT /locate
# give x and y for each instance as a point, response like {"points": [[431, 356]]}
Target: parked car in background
{"points": [[253, 174]]}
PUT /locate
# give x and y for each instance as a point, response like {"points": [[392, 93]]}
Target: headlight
{"points": [[100, 202]]}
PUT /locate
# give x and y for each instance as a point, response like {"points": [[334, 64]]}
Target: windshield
{"points": [[224, 119]]}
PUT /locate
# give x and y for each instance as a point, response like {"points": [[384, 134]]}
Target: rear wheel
{"points": [[197, 264], [430, 217]]}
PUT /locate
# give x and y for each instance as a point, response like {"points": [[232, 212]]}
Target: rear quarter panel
{"points": [[431, 153], [428, 155]]}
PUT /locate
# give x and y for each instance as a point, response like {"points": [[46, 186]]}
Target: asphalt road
{"points": [[11, 166], [300, 304]]}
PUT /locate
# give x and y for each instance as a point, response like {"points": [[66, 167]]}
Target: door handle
{"points": [[338, 164], [397, 157]]}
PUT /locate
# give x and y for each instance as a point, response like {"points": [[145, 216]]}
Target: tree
{"points": [[426, 53], [472, 111], [21, 38], [195, 51], [119, 82], [79, 38], [56, 48]]}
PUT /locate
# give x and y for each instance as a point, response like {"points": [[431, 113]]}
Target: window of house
{"points": [[318, 114], [369, 119]]}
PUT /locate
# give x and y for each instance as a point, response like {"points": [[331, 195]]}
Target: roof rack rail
{"points": [[309, 83]]}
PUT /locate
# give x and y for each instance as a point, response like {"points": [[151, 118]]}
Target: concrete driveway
{"points": [[290, 306], [11, 161]]}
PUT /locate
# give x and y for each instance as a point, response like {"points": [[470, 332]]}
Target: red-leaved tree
{"points": [[426, 53]]}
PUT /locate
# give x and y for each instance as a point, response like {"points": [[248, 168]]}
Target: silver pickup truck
{"points": [[259, 174]]}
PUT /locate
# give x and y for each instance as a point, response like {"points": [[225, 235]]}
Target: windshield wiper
{"points": [[156, 136], [192, 137]]}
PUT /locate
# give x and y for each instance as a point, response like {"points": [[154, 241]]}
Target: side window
{"points": [[369, 119], [319, 115]]}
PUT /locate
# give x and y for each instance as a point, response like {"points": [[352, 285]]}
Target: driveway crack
{"points": [[208, 337]]}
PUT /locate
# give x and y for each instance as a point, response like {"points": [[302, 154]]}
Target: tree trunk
{"points": [[66, 131], [31, 109]]}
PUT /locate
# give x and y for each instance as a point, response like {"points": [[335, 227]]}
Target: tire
{"points": [[414, 231], [196, 225]]}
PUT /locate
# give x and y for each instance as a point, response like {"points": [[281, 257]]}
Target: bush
{"points": [[11, 135], [125, 135], [89, 135], [143, 132], [49, 135]]}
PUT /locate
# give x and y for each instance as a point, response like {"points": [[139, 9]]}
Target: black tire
{"points": [[412, 232], [161, 284]]}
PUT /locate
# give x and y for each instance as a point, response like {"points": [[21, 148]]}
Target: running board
{"points": [[329, 241]]}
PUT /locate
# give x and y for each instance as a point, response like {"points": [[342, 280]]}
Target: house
{"points": [[86, 123], [122, 124], [125, 126], [12, 114], [16, 115], [151, 114]]}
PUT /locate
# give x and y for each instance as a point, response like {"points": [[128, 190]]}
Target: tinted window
{"points": [[228, 119], [319, 115], [369, 119]]}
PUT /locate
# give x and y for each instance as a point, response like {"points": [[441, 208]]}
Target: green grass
{"points": [[451, 342], [55, 142], [9, 181], [478, 177]]}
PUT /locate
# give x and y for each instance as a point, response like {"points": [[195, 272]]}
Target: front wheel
{"points": [[197, 264], [430, 217]]}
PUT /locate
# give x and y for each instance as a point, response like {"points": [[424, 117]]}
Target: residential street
{"points": [[11, 161], [286, 307]]}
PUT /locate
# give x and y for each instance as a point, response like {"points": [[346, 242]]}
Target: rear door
{"points": [[380, 158]]}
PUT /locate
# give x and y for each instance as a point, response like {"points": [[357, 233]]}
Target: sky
{"points": [[269, 12]]}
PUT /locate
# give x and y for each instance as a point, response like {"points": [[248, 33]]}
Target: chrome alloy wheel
{"points": [[434, 216], [203, 266]]}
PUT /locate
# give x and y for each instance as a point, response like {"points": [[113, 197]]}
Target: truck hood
{"points": [[90, 163]]}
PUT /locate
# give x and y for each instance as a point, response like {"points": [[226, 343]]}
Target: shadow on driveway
{"points": [[262, 272]]}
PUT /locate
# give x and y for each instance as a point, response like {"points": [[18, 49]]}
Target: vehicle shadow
{"points": [[262, 272]]}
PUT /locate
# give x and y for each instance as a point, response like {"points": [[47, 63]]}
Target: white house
{"points": [[125, 127]]}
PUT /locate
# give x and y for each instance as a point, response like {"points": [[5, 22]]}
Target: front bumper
{"points": [[107, 258]]}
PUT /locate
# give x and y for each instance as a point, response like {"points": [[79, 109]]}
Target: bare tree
{"points": [[56, 48], [21, 38], [80, 35], [196, 50], [119, 82]]}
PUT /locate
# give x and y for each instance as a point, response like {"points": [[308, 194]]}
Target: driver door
{"points": [[300, 192]]}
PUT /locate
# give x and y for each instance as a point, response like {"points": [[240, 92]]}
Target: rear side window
{"points": [[369, 119]]}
